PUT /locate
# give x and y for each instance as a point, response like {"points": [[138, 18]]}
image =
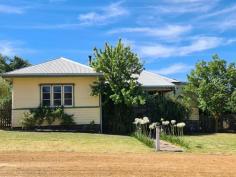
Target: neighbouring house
{"points": [[65, 82]]}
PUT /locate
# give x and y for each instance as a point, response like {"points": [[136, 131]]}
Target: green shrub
{"points": [[67, 119], [29, 121], [144, 139], [38, 116], [175, 140], [158, 106]]}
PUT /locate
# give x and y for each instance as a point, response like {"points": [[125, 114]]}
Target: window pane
{"points": [[68, 102], [57, 89], [57, 95], [68, 95], [46, 102], [57, 102], [46, 89], [68, 89], [46, 96]]}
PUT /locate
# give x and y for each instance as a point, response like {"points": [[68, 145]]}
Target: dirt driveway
{"points": [[130, 164]]}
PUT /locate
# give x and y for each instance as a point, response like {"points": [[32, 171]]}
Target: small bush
{"points": [[91, 125], [175, 140], [28, 121], [38, 116], [144, 139], [67, 120]]}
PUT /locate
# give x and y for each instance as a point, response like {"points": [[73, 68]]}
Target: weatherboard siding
{"points": [[26, 94]]}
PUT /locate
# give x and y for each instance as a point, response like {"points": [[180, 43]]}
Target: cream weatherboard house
{"points": [[65, 82]]}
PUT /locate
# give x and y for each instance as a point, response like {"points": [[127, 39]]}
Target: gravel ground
{"points": [[33, 164]]}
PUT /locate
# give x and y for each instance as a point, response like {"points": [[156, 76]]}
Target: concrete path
{"points": [[166, 146]]}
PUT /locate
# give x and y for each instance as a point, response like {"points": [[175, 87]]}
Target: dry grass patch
{"points": [[69, 142]]}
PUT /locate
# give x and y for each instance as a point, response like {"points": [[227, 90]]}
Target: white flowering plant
{"points": [[141, 125], [172, 127]]}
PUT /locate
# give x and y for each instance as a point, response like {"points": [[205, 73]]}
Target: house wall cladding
{"points": [[26, 95]]}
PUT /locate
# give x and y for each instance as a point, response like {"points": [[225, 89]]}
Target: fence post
{"points": [[158, 138]]}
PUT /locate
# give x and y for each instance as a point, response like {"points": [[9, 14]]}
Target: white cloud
{"points": [[6, 48], [105, 15], [157, 50], [11, 9], [50, 26], [175, 68], [197, 45], [169, 31], [10, 48], [224, 11], [201, 44], [186, 6]]}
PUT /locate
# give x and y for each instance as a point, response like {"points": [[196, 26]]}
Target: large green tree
{"points": [[9, 64], [118, 86], [211, 84], [17, 63], [3, 64]]}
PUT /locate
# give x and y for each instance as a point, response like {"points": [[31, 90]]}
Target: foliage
{"points": [[117, 118], [144, 139], [232, 102], [91, 125], [120, 68], [172, 128], [211, 85], [118, 86], [158, 106], [38, 116], [29, 121], [3, 64], [141, 131], [67, 120], [5, 89], [170, 131], [9, 64], [175, 140], [141, 125]]}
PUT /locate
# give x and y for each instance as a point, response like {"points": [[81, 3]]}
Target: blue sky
{"points": [[170, 36]]}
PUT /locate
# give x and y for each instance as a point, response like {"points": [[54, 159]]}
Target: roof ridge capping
{"points": [[164, 77], [63, 58]]}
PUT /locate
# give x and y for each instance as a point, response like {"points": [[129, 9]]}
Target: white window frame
{"points": [[51, 86], [72, 96], [52, 90], [46, 85]]}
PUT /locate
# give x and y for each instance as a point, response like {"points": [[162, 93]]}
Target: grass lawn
{"points": [[69, 142], [221, 143], [80, 154], [212, 143]]}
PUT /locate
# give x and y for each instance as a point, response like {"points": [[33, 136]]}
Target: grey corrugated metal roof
{"points": [[149, 79], [57, 67], [65, 67], [170, 79]]}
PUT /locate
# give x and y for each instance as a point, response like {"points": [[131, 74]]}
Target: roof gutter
{"points": [[52, 75]]}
